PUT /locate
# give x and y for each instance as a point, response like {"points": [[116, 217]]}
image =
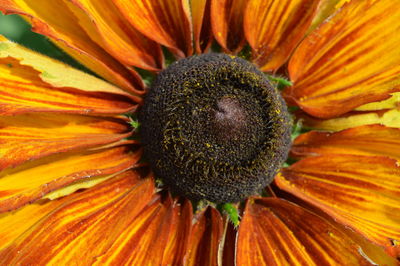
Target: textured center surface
{"points": [[214, 128]]}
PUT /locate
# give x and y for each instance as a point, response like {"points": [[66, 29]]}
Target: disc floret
{"points": [[214, 128]]}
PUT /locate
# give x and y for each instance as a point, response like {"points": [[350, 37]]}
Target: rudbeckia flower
{"points": [[175, 146]]}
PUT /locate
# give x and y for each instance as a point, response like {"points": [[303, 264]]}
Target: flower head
{"points": [[75, 187]]}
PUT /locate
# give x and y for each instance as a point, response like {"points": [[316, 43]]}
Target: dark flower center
{"points": [[214, 128]]}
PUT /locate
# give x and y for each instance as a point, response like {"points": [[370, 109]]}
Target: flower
{"points": [[73, 187]]}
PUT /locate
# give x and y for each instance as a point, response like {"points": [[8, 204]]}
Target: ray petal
{"points": [[389, 118], [164, 21], [227, 23], [30, 82], [84, 226], [205, 238], [32, 136], [178, 238], [274, 28], [57, 171], [65, 31], [144, 239], [106, 25], [361, 192], [201, 24], [276, 232], [363, 140], [350, 60]]}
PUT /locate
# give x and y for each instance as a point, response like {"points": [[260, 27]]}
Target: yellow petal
{"points": [[326, 8], [227, 23], [51, 71], [103, 22], [164, 21], [22, 219], [84, 227], [276, 232], [389, 118], [65, 31], [361, 192], [363, 140], [391, 103], [274, 28], [57, 171], [350, 60]]}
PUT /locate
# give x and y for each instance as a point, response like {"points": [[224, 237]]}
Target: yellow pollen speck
{"points": [[302, 99], [208, 145]]}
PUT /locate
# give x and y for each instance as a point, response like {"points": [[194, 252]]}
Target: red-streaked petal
{"points": [[143, 240], [110, 30], [389, 118], [55, 172], [201, 18], [274, 28], [164, 21], [85, 226], [228, 248], [276, 232], [227, 23], [361, 192], [65, 31], [205, 238], [31, 136], [22, 219], [23, 91], [178, 238], [363, 140], [350, 60]]}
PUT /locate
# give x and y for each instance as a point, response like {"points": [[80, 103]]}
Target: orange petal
{"points": [[23, 91], [326, 8], [227, 23], [22, 219], [389, 118], [178, 238], [55, 172], [274, 28], [276, 232], [360, 192], [363, 140], [205, 238], [202, 32], [351, 60], [84, 227], [144, 240], [164, 21], [64, 29], [109, 29], [32, 136]]}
